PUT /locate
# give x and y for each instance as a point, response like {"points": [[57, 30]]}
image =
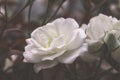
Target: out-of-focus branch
{"points": [[6, 15], [99, 75], [56, 11], [68, 71], [41, 75], [12, 18], [99, 64], [3, 27], [30, 8], [50, 2], [7, 21], [110, 60], [17, 13], [99, 5]]}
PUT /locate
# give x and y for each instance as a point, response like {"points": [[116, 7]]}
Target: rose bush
{"points": [[59, 41]]}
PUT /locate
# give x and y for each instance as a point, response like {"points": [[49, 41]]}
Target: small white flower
{"points": [[60, 41]]}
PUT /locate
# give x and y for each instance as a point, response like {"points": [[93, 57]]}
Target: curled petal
{"points": [[70, 56], [77, 39], [98, 26], [52, 56]]}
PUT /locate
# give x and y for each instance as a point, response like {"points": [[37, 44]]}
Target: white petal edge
{"points": [[70, 56], [77, 39], [68, 26]]}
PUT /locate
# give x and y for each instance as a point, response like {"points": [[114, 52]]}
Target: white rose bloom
{"points": [[96, 32], [60, 41], [112, 39]]}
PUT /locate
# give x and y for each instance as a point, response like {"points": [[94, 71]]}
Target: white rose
{"points": [[96, 31], [112, 40], [60, 41]]}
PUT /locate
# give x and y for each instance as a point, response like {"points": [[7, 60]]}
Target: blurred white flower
{"points": [[9, 63], [60, 41], [98, 31], [2, 12]]}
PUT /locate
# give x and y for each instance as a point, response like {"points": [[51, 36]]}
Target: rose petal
{"points": [[58, 42], [77, 39], [30, 54], [98, 26], [70, 56], [31, 41], [41, 37], [29, 57], [53, 55], [68, 26], [51, 30], [58, 22]]}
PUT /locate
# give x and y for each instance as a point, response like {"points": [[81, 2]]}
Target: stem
{"points": [[98, 6], [98, 66], [110, 60], [56, 11], [17, 13], [4, 26], [101, 74], [69, 72], [6, 15], [47, 11], [12, 18], [41, 75], [30, 8], [57, 72]]}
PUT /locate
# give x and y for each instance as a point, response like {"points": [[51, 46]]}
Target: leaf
{"points": [[111, 41]]}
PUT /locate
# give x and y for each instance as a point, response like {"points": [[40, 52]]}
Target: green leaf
{"points": [[111, 41]]}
